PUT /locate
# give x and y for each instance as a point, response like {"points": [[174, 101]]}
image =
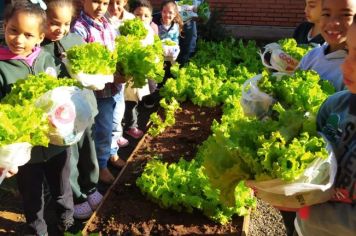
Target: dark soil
{"points": [[127, 212]]}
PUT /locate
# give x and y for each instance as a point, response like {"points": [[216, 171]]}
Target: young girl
{"points": [[25, 25], [170, 24], [337, 121], [92, 26], [309, 31], [336, 18], [116, 15], [84, 167]]}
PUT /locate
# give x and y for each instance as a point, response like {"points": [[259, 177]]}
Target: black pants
{"points": [[288, 219], [30, 180], [131, 115]]}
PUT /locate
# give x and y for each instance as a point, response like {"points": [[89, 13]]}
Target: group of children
{"points": [[331, 27], [37, 36]]}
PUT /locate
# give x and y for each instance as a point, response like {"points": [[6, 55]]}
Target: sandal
{"points": [[82, 211], [94, 200], [122, 142]]}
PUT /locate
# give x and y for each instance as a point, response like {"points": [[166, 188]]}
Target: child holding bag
{"points": [[25, 25]]}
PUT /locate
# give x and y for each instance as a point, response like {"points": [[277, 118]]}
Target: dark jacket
{"points": [[301, 34]]}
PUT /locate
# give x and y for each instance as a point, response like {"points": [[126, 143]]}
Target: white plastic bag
{"points": [[313, 187], [187, 12], [170, 52], [70, 111], [253, 101], [13, 155], [278, 60]]}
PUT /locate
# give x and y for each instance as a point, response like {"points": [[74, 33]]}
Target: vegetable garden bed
{"points": [[127, 210]]}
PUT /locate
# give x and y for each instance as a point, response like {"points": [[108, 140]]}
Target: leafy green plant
{"points": [[133, 27]]}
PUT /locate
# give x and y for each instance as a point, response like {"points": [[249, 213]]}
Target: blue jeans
{"points": [[119, 110], [103, 130], [187, 43]]}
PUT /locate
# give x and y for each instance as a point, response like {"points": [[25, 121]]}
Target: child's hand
{"points": [[11, 172]]}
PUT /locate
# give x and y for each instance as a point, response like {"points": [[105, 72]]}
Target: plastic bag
{"points": [[13, 155], [253, 101], [275, 58], [313, 187], [150, 39], [187, 12], [70, 111], [170, 52]]}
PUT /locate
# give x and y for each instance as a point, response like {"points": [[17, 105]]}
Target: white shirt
{"points": [[326, 65]]}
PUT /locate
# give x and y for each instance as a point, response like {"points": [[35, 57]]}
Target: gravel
{"points": [[266, 220]]}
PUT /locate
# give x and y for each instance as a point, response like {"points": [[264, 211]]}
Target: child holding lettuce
{"points": [[92, 26]]}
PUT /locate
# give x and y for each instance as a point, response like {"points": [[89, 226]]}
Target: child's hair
{"points": [[141, 3], [176, 19], [51, 4], [26, 7]]}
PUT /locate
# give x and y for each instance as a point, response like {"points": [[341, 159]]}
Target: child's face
{"points": [[144, 14], [349, 66], [96, 9], [22, 32], [168, 13], [116, 7], [336, 18], [58, 22], [312, 10]]}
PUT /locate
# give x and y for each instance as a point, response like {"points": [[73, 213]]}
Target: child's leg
{"points": [[188, 42], [30, 178], [57, 170], [119, 110], [103, 130], [84, 167]]}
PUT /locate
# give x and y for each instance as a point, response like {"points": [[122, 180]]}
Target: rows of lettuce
{"points": [[278, 145]]}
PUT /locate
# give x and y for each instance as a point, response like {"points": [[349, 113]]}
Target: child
{"points": [[309, 32], [170, 24], [337, 121], [335, 19], [142, 9], [116, 15], [85, 167], [92, 26], [169, 27], [24, 26]]}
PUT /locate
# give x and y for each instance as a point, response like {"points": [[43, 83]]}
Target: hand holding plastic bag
{"points": [[12, 156], [314, 186], [170, 50], [70, 111]]}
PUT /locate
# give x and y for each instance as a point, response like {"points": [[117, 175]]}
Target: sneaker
{"points": [[135, 133], [122, 142], [105, 176], [82, 211], [148, 105], [94, 200], [117, 162]]}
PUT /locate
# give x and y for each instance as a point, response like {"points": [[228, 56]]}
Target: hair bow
{"points": [[40, 2]]}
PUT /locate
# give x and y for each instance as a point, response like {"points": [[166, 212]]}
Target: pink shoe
{"points": [[94, 200], [122, 142], [135, 133]]}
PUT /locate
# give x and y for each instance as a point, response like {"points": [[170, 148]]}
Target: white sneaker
{"points": [[94, 200]]}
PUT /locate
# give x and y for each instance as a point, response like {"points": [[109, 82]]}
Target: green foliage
{"points": [[91, 58], [204, 11], [291, 47], [139, 62], [133, 27], [158, 125], [184, 186], [28, 90], [24, 123]]}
